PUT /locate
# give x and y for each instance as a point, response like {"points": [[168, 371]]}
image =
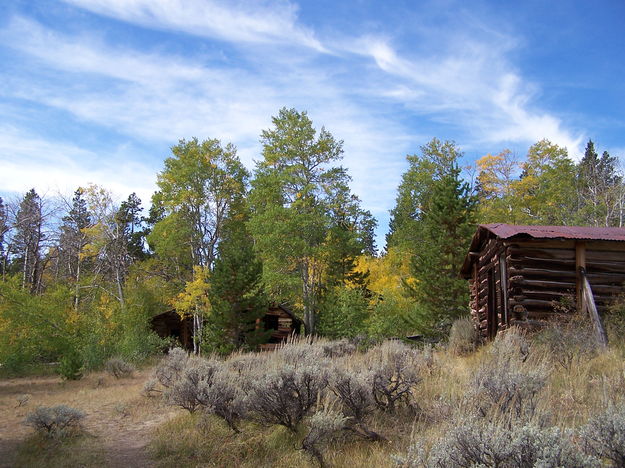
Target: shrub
{"points": [[300, 352], [222, 396], [323, 424], [463, 337], [334, 349], [604, 435], [569, 343], [187, 390], [356, 397], [71, 365], [394, 372], [56, 421], [119, 368], [169, 369], [506, 383], [150, 388], [285, 396], [475, 443]]}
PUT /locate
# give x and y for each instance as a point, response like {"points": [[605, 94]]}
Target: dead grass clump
{"points": [[55, 422], [119, 368], [463, 337], [568, 343]]}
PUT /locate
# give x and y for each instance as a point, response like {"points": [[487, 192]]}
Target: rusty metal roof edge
{"points": [[507, 231]]}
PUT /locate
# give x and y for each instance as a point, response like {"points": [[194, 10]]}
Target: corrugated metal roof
{"points": [[506, 231], [509, 231]]}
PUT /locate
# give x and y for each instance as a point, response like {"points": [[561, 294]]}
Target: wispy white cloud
{"points": [[58, 167], [234, 21], [374, 92], [475, 88], [161, 98]]}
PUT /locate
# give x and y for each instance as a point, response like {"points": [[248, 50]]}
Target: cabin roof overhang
{"points": [[519, 232]]}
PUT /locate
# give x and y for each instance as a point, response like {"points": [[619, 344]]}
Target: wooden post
{"points": [[503, 282], [589, 300], [580, 262]]}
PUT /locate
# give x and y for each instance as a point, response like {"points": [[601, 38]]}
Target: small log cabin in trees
{"points": [[280, 320], [283, 324], [524, 275]]}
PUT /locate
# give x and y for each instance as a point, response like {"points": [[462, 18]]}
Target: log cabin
{"points": [[526, 275], [278, 320]]}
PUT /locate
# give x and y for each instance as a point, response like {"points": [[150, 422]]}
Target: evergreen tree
{"points": [[73, 237], [414, 191], [447, 225], [28, 240], [598, 184], [236, 295], [4, 229], [129, 219]]}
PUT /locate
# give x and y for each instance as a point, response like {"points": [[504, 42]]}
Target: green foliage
{"points": [[395, 316], [343, 313], [237, 295], [446, 225], [71, 364], [304, 220], [33, 328], [198, 185]]}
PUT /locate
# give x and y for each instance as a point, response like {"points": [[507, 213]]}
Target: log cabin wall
{"points": [[488, 300], [520, 278]]}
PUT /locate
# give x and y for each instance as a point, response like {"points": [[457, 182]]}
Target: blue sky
{"points": [[97, 91]]}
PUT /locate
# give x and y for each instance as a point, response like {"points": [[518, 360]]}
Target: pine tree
{"points": [[129, 219], [447, 226], [237, 297], [4, 228], [597, 188], [73, 237], [28, 240]]}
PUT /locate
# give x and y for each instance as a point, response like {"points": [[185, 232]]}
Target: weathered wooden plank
{"points": [[541, 272], [525, 282], [542, 244], [533, 303], [591, 307], [540, 253]]}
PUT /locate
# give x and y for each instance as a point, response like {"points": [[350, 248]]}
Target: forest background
{"points": [[81, 278]]}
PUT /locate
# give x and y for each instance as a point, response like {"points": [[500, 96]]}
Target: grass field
{"points": [[124, 428]]}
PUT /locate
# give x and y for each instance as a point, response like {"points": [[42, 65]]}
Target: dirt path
{"points": [[117, 416]]}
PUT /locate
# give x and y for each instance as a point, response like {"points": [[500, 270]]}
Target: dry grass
{"points": [[116, 427], [120, 423]]}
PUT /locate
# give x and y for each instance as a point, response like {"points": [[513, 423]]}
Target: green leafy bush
{"points": [[71, 365]]}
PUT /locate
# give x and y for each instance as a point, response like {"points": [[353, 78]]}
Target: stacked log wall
{"points": [[488, 259], [543, 275]]}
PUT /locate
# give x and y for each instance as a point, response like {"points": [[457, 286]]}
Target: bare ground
{"points": [[118, 417]]}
